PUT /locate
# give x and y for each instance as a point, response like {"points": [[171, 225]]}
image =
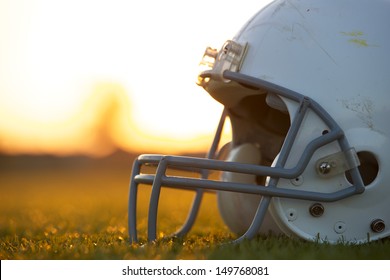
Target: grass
{"points": [[53, 208]]}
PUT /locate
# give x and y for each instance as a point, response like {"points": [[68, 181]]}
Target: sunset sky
{"points": [[90, 76]]}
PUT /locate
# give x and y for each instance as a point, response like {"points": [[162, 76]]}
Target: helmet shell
{"points": [[337, 53]]}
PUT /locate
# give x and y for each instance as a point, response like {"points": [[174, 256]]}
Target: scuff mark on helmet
{"points": [[363, 107]]}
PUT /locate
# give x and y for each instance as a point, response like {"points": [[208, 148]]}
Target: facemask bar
{"points": [[132, 207], [274, 173]]}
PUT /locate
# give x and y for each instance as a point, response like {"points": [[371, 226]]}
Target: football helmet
{"points": [[306, 87]]}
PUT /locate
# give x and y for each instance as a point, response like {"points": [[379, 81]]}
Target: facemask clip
{"points": [[337, 163]]}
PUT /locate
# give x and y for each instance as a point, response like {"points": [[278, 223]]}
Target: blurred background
{"points": [[89, 77], [87, 85]]}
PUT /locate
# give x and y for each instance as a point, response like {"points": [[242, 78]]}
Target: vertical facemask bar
{"points": [[154, 199], [132, 207], [204, 175], [281, 161], [133, 193]]}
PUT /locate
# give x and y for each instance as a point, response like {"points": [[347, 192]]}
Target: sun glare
{"points": [[93, 76]]}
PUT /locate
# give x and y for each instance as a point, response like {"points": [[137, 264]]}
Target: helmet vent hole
{"points": [[368, 168]]}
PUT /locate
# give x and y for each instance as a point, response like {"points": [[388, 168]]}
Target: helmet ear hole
{"points": [[368, 168]]}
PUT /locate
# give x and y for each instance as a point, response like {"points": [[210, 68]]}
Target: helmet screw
{"points": [[378, 225], [297, 181], [324, 168], [317, 210]]}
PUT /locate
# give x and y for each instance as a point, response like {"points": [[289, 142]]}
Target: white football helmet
{"points": [[307, 89]]}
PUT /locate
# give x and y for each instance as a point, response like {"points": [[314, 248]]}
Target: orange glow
{"points": [[103, 124], [91, 77]]}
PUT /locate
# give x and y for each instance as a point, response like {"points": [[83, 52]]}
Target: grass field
{"points": [[76, 208]]}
